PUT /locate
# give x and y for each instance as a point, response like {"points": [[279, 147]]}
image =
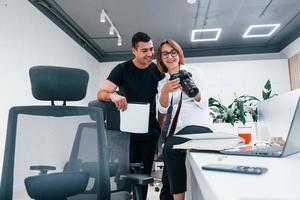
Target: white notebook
{"points": [[136, 118], [210, 141]]}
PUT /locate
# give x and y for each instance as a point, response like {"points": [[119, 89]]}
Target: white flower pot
{"points": [[224, 127]]}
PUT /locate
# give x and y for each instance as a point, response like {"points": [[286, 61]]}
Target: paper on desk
{"points": [[210, 141], [136, 118], [213, 145], [206, 136]]}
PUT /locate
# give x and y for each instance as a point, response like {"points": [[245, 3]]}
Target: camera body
{"points": [[187, 84]]}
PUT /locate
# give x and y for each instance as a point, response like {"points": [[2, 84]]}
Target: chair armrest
{"points": [[42, 168], [137, 179]]}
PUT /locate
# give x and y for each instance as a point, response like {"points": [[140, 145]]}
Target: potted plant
{"points": [[240, 109]]}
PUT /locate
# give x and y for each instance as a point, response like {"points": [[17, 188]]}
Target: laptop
{"points": [[279, 116]]}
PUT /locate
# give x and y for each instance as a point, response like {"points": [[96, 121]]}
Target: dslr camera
{"points": [[188, 86]]}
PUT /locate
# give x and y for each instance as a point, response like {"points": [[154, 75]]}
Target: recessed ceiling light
{"points": [[196, 31], [273, 27]]}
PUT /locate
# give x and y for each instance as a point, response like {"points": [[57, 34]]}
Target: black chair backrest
{"points": [[49, 83]]}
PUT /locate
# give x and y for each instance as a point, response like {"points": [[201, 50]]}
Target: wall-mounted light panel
{"points": [[262, 30], [197, 34]]}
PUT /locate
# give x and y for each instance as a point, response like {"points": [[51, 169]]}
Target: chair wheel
{"points": [[156, 189]]}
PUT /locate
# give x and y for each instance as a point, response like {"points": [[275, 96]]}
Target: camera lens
{"points": [[193, 92], [189, 87]]}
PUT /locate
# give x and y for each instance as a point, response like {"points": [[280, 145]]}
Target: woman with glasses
{"points": [[182, 113]]}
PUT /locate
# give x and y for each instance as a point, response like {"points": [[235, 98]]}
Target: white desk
{"points": [[280, 182]]}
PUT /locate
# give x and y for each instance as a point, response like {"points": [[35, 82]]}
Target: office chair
{"points": [[41, 138], [119, 149], [83, 157]]}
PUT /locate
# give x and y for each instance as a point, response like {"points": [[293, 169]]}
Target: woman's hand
{"points": [[171, 86], [198, 97]]}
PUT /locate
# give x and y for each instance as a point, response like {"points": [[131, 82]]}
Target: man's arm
{"points": [[108, 92]]}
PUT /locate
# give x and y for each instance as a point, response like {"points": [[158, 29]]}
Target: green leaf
{"points": [[267, 90]]}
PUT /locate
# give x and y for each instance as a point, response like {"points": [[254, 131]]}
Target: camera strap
{"points": [[165, 130]]}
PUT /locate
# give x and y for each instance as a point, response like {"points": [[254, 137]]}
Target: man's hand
{"points": [[120, 101], [107, 92]]}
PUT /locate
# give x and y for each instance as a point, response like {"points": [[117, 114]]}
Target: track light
{"points": [[112, 30], [119, 40], [102, 16]]}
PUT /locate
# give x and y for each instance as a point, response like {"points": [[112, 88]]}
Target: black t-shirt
{"points": [[137, 85]]}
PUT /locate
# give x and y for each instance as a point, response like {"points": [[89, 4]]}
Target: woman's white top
{"points": [[192, 112]]}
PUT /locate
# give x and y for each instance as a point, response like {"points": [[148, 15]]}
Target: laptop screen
{"points": [[275, 115]]}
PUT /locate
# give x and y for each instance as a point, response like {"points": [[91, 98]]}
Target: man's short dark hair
{"points": [[139, 37]]}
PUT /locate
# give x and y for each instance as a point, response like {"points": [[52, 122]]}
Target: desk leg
{"points": [[193, 189]]}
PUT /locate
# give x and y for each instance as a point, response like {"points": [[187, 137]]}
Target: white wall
{"points": [[246, 57], [105, 68], [224, 80], [291, 49], [29, 38]]}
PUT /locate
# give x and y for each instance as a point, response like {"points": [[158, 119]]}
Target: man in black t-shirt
{"points": [[137, 80]]}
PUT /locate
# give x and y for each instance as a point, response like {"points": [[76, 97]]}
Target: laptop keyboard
{"points": [[255, 150]]}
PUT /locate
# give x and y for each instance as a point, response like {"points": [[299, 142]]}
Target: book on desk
{"points": [[216, 141]]}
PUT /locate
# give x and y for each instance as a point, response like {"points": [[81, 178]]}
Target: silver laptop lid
{"points": [[292, 144], [275, 115]]}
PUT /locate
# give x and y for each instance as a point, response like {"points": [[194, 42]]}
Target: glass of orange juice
{"points": [[245, 133]]}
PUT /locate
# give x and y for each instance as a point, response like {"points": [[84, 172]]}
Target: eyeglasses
{"points": [[165, 54]]}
